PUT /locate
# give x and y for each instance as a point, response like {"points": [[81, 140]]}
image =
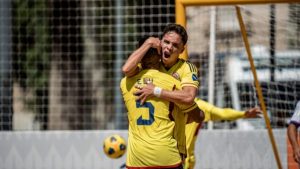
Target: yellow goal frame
{"points": [[181, 19], [180, 5]]}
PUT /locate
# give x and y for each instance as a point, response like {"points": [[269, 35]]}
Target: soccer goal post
{"points": [[229, 27]]}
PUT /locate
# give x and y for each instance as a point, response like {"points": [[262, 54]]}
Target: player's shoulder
{"points": [[296, 115], [298, 105], [297, 109], [187, 65], [156, 75], [123, 81], [123, 85], [149, 72]]}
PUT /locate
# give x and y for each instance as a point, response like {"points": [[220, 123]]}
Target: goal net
{"points": [[226, 77], [61, 61], [273, 34]]}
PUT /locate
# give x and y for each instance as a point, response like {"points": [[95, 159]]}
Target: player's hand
{"points": [[253, 113], [144, 92], [155, 43], [296, 154]]}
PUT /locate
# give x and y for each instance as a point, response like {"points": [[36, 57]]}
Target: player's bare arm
{"points": [[293, 134], [195, 115], [184, 96], [255, 112], [130, 68]]}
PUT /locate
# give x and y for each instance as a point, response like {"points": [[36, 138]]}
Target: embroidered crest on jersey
{"points": [[176, 76]]}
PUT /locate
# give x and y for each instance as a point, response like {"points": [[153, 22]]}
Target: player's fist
{"points": [[154, 43], [253, 113]]}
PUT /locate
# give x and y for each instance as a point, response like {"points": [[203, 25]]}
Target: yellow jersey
{"points": [[185, 72], [151, 141], [179, 130], [212, 113]]}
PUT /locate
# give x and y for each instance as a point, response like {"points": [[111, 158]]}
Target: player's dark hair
{"points": [[142, 40], [147, 60], [151, 51], [180, 30]]}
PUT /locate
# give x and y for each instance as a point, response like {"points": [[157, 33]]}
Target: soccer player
{"points": [[151, 141], [212, 113], [171, 45], [293, 133]]}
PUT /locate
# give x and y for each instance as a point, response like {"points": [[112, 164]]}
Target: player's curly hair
{"points": [[180, 30]]}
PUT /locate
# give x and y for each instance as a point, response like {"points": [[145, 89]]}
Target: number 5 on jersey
{"points": [[140, 120]]}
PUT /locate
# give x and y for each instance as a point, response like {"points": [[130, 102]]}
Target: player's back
{"points": [[150, 141]]}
